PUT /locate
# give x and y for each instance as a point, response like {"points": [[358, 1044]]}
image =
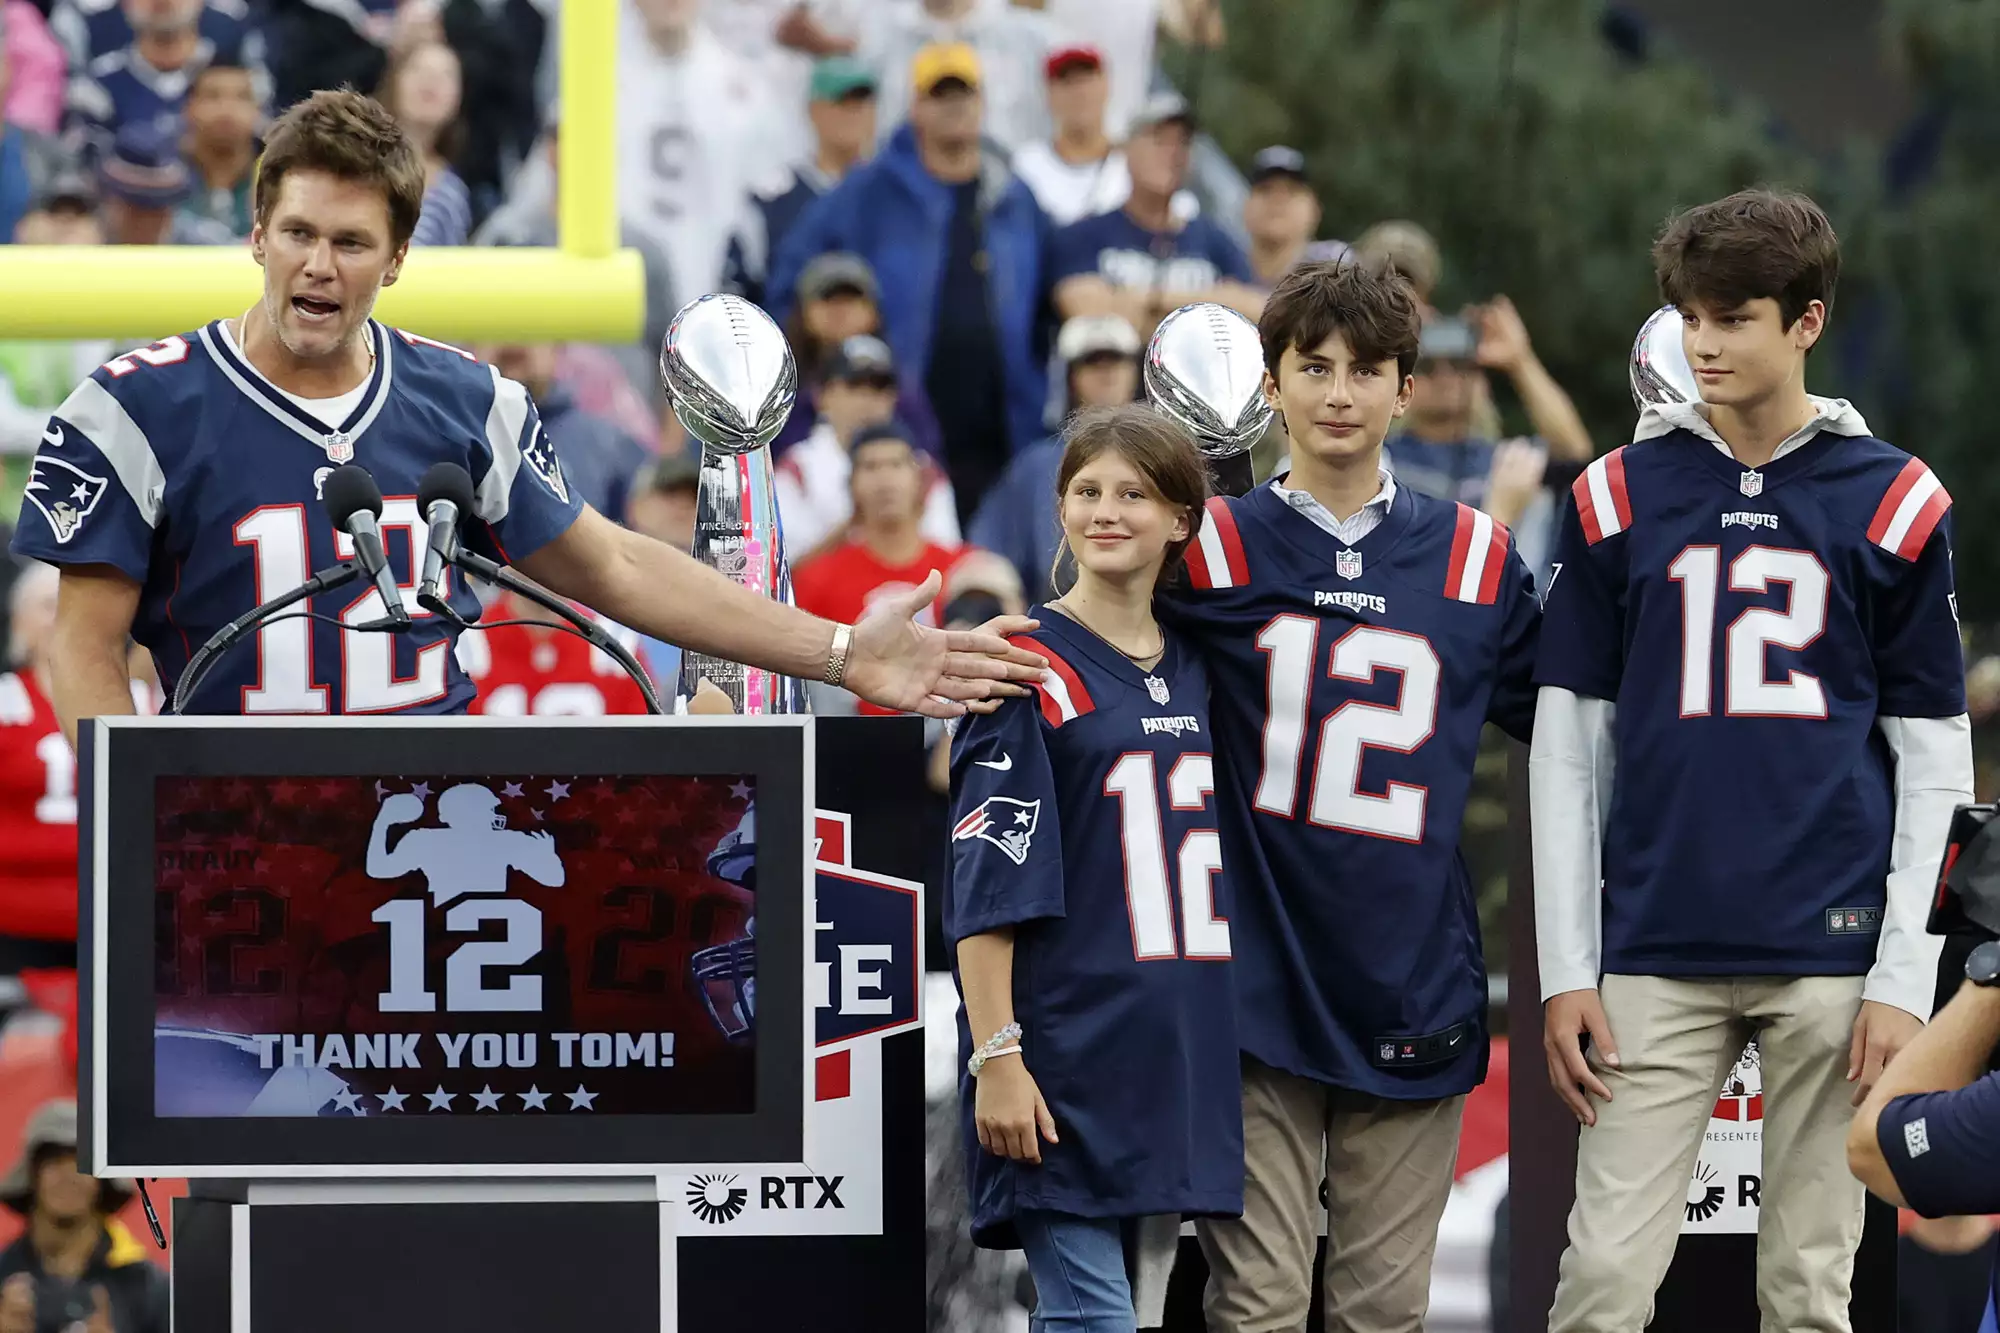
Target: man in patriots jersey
{"points": [[178, 486], [1750, 740], [532, 668], [1087, 909], [1359, 636]]}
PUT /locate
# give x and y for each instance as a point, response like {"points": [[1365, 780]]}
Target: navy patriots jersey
{"points": [[1085, 821], [185, 469], [1751, 625], [91, 28], [120, 88], [1351, 685]]}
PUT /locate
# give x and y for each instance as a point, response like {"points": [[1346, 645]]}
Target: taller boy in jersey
{"points": [[178, 486], [1358, 636], [1751, 627]]}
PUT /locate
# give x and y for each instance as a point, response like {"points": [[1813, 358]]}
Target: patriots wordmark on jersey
{"points": [[1351, 684], [1084, 820], [1750, 633], [185, 469]]}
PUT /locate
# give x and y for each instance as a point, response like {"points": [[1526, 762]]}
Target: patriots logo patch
{"points": [[541, 456], [65, 494], [1003, 821]]}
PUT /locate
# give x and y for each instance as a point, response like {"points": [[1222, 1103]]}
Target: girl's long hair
{"points": [[1161, 450]]}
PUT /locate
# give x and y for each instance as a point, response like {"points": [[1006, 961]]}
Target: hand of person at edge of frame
{"points": [[1568, 1018], [1008, 1111]]}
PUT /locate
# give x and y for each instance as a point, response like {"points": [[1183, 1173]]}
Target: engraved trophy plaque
{"points": [[1659, 368], [731, 379], [1205, 369]]}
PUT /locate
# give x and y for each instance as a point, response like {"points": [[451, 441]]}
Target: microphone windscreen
{"points": [[445, 481], [349, 490]]}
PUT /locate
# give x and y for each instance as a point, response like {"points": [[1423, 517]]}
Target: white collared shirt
{"points": [[1356, 525]]}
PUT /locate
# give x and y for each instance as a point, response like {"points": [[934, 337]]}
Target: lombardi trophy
{"points": [[1659, 368], [1205, 370], [731, 380]]}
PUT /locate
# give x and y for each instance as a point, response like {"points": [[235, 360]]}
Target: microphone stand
{"points": [[474, 563], [235, 631]]}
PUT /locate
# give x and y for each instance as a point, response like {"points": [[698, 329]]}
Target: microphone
{"points": [[444, 498], [354, 503]]}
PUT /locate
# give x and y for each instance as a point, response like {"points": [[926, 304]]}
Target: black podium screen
{"points": [[513, 944]]}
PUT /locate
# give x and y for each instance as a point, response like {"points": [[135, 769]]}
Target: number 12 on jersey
{"points": [[1149, 882]]}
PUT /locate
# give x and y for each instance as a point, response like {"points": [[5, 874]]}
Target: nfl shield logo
{"points": [[339, 447], [1157, 688], [1388, 1051], [1347, 564], [1753, 483]]}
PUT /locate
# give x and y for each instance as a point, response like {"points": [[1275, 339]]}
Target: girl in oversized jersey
{"points": [[1087, 905]]}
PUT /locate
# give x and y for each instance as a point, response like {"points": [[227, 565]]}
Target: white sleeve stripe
{"points": [[104, 422], [1060, 693], [1478, 551], [1601, 502], [1921, 491], [504, 426], [1214, 559]]}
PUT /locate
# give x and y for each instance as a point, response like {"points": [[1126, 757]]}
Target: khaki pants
{"points": [[1389, 1169], [1677, 1039]]}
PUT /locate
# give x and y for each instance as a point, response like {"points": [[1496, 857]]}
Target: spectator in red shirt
{"points": [[886, 552]]}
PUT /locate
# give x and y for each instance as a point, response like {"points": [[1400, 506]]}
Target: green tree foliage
{"points": [[1548, 185]]}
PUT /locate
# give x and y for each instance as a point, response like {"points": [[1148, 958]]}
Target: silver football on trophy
{"points": [[1659, 369], [1205, 370], [729, 374]]}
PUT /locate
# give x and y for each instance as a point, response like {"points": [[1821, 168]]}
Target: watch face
{"points": [[1982, 968]]}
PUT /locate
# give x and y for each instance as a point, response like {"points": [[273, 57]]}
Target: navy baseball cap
{"points": [[861, 357], [1277, 160]]}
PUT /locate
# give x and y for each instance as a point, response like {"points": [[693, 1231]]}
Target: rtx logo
{"points": [[790, 1192], [716, 1198]]}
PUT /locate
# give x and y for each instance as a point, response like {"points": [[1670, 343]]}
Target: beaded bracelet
{"points": [[992, 1047]]}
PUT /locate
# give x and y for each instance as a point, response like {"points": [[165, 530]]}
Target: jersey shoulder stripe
{"points": [[1063, 696], [1478, 553], [1215, 558], [1601, 499], [1910, 511]]}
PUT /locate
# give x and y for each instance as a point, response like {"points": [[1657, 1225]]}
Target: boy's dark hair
{"points": [[1753, 244], [1376, 311], [350, 136]]}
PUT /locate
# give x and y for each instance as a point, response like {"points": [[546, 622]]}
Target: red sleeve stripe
{"points": [[1478, 550], [1063, 694], [1909, 513], [1601, 501], [1215, 560]]}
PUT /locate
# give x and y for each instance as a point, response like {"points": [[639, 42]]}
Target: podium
{"points": [[519, 1024]]}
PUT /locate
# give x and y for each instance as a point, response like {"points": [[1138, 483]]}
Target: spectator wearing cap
{"points": [[1399, 246], [1018, 518], [1281, 216], [144, 181], [1127, 32], [1011, 46], [842, 114], [223, 118], [1080, 173], [146, 79], [885, 551], [857, 391], [29, 161], [1144, 260], [836, 299], [76, 1266], [34, 70], [955, 241]]}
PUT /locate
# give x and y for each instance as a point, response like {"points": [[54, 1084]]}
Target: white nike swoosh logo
{"points": [[1000, 765], [53, 437]]}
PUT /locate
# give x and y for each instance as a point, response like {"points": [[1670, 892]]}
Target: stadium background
{"points": [[1519, 148]]}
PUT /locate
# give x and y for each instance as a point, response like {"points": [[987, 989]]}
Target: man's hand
{"points": [[1880, 1031], [1008, 1110], [17, 1304], [896, 663], [1503, 336], [1567, 1018]]}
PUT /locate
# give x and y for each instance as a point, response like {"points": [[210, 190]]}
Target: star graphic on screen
{"points": [[392, 1100], [421, 790], [581, 1099], [740, 790], [486, 1099], [558, 790], [440, 1100], [346, 1100], [536, 813], [511, 789], [534, 1099]]}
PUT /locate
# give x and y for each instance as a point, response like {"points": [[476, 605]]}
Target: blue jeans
{"points": [[1078, 1264]]}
